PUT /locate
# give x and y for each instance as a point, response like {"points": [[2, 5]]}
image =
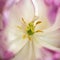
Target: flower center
{"points": [[30, 28]]}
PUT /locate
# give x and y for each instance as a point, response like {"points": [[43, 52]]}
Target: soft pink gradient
{"points": [[2, 4], [49, 54], [53, 6], [53, 2], [4, 52]]}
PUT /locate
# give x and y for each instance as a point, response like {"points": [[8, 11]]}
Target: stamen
{"points": [[24, 36], [23, 21], [19, 27], [39, 31], [38, 22]]}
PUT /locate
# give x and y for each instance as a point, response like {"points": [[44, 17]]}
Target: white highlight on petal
{"points": [[27, 52], [16, 43], [36, 7], [13, 47], [11, 37]]}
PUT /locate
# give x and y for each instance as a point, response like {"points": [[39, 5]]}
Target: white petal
{"points": [[42, 9], [22, 9], [15, 37], [52, 38], [27, 53], [38, 52], [17, 45]]}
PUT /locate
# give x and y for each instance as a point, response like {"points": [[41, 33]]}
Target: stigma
{"points": [[30, 28]]}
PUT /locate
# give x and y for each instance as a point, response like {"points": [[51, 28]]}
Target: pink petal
{"points": [[4, 47], [57, 3], [46, 54], [56, 25], [53, 6], [53, 2], [2, 5], [3, 38], [56, 56], [5, 4], [51, 14], [48, 2], [10, 3], [8, 55], [49, 54]]}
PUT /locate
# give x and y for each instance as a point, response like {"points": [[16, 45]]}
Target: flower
{"points": [[28, 30]]}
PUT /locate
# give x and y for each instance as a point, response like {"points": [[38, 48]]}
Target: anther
{"points": [[19, 27], [23, 20], [38, 22], [39, 31], [24, 36]]}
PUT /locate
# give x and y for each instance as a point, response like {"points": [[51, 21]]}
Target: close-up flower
{"points": [[26, 32]]}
